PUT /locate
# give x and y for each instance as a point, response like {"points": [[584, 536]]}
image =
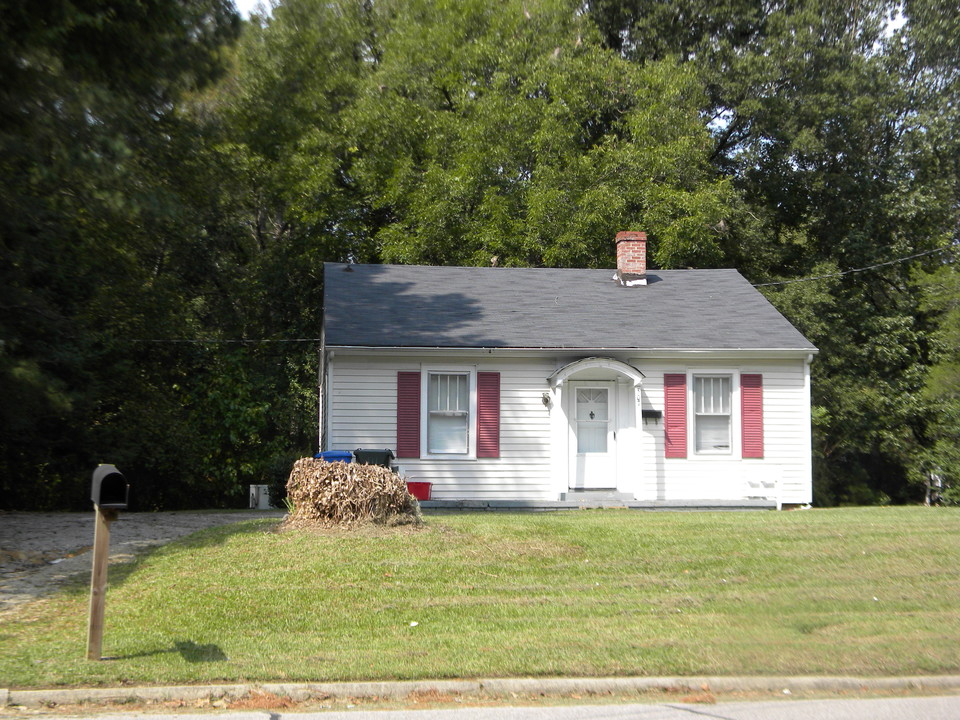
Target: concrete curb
{"points": [[493, 686]]}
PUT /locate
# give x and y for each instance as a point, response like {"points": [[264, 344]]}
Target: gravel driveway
{"points": [[39, 552]]}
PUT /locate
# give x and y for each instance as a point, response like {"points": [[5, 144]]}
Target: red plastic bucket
{"points": [[420, 490]]}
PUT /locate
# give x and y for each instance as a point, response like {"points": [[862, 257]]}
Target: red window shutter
{"points": [[408, 414], [488, 414], [751, 414], [675, 415]]}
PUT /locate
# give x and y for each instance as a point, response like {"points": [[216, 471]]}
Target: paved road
{"points": [[921, 708]]}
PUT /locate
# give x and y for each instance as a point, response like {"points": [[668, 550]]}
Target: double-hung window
{"points": [[448, 413], [721, 411], [712, 418]]}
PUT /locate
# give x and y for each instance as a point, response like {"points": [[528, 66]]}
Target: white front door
{"points": [[593, 435]]}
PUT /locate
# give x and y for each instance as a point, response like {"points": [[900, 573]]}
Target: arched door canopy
{"points": [[560, 376]]}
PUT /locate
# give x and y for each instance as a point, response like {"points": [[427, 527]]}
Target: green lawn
{"points": [[870, 591]]}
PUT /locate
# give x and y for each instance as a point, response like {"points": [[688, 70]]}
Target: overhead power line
{"points": [[216, 341], [254, 341], [853, 270]]}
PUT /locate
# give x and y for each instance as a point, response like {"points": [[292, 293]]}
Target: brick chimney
{"points": [[631, 258]]}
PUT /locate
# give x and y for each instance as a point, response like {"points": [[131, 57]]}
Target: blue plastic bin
{"points": [[335, 456]]}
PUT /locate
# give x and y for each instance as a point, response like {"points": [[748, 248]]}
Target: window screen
{"points": [[711, 403], [448, 406], [592, 420]]}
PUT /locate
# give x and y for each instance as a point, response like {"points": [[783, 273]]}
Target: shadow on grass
{"points": [[188, 649], [218, 534], [119, 572]]}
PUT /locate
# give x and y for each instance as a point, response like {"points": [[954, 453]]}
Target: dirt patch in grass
{"points": [[261, 700], [702, 698], [430, 697], [353, 530], [433, 700]]}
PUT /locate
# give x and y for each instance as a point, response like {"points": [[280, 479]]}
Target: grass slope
{"points": [[855, 591]]}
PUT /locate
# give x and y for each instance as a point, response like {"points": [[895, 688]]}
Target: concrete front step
{"points": [[590, 496]]}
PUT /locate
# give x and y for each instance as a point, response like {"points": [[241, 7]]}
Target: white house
{"points": [[669, 387]]}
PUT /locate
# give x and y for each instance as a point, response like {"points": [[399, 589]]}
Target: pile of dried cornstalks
{"points": [[336, 493]]}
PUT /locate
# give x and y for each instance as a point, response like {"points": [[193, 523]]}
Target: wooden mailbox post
{"points": [[110, 494]]}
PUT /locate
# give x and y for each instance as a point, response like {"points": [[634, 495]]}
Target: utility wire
{"points": [[212, 341], [853, 270]]}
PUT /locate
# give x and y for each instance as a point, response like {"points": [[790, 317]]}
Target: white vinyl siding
{"points": [[786, 464], [361, 400], [363, 413]]}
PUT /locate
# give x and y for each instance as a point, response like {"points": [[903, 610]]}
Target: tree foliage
{"points": [[89, 145], [171, 187], [941, 298], [834, 130], [504, 130]]}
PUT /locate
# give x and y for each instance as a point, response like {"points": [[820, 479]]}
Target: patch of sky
{"points": [[247, 7]]}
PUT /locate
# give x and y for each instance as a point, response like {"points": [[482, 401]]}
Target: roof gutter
{"points": [[656, 351]]}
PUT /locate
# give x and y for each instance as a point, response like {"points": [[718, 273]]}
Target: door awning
{"points": [[560, 376]]}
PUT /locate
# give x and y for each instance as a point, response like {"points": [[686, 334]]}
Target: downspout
{"points": [[321, 371], [808, 428], [327, 381]]}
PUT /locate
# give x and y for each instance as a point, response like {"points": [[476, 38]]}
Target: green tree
{"points": [[317, 147], [163, 237], [504, 130], [941, 298], [831, 129], [455, 133], [88, 136]]}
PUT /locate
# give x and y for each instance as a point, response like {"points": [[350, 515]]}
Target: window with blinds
{"points": [[448, 413], [712, 416], [444, 413]]}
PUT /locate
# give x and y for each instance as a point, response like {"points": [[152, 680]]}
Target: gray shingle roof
{"points": [[420, 306]]}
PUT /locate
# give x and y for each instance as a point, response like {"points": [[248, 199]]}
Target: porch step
{"points": [[596, 496]]}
